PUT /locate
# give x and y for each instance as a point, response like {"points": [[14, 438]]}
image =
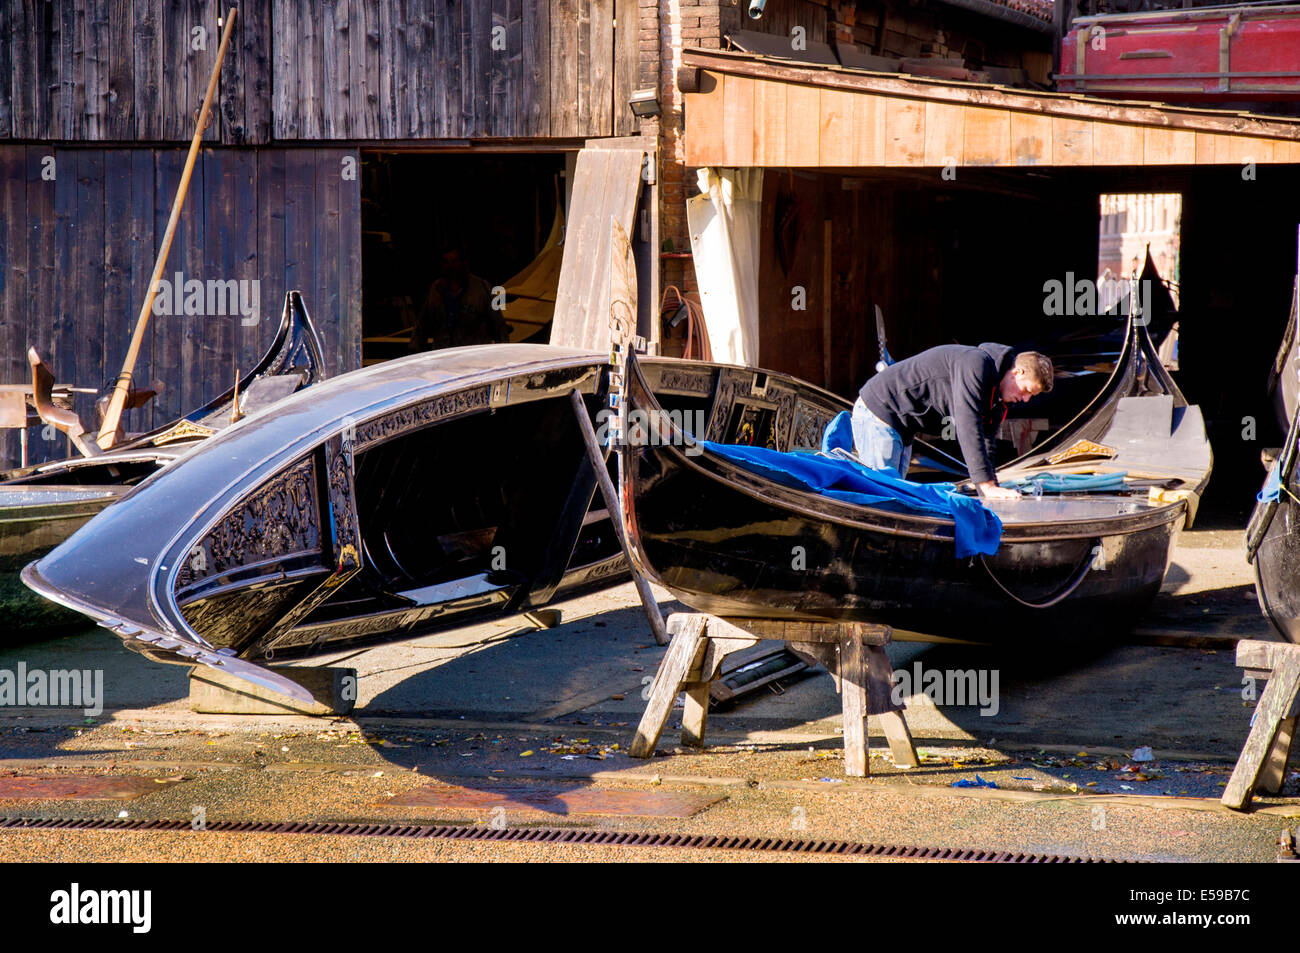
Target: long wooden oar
{"points": [[108, 429]]}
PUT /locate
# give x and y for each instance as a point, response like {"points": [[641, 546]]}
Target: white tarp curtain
{"points": [[724, 223]]}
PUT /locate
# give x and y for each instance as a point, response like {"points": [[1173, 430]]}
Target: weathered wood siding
{"points": [[76, 253], [121, 70]]}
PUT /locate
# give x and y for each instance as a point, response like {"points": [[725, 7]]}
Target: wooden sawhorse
{"points": [[1262, 763], [853, 652]]}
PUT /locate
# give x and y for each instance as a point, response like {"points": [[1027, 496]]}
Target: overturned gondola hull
{"points": [[438, 490], [728, 541], [42, 506]]}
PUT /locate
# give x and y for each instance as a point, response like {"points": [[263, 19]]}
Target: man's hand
{"points": [[990, 490]]}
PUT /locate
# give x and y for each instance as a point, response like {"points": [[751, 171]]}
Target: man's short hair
{"points": [[1038, 367]]}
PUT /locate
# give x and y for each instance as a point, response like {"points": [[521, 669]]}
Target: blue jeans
{"points": [[878, 445]]}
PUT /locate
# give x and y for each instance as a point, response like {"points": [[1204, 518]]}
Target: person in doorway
{"points": [[967, 387], [457, 308]]}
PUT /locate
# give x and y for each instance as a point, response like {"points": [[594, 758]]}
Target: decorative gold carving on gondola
{"points": [[182, 430], [280, 518], [419, 415]]}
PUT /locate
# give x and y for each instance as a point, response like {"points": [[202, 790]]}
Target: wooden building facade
{"points": [[98, 100]]}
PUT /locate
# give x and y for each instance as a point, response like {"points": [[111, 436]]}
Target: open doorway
{"points": [[494, 216]]}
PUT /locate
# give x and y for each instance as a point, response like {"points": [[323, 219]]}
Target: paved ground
{"points": [[503, 706]]}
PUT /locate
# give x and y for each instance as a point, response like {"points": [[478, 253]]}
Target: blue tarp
{"points": [[978, 529], [1072, 482], [1272, 486]]}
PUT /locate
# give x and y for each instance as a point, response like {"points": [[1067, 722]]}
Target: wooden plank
{"points": [[392, 65], [423, 108], [584, 52], [241, 179], [74, 35], [84, 283], [445, 75], [119, 102], [502, 62], [738, 121], [325, 250], [683, 655], [364, 71], [256, 44], [1073, 107], [944, 134], [167, 329], [64, 124], [1031, 139], [310, 82], [1275, 704], [475, 63], [336, 99], [1168, 147], [1115, 143], [286, 112], [215, 332], [564, 72], [606, 185], [596, 86], [627, 28], [905, 132], [48, 93], [533, 110], [299, 231], [1273, 775], [802, 126], [706, 130], [42, 200], [198, 68], [196, 357], [987, 136], [147, 72], [143, 251], [1071, 141], [8, 17], [15, 307], [769, 124], [271, 215], [118, 320], [836, 134], [98, 54], [62, 347], [349, 331], [853, 698], [173, 93], [22, 76], [869, 133]]}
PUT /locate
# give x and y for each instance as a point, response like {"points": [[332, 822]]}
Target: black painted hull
{"points": [[730, 542], [740, 552]]}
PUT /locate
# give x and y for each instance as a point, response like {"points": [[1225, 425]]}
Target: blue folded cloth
{"points": [[1272, 486], [1072, 482], [977, 529]]}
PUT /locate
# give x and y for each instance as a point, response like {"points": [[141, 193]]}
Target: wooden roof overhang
{"points": [[755, 111]]}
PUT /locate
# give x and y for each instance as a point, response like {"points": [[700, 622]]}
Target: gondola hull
{"points": [[729, 541], [435, 491]]}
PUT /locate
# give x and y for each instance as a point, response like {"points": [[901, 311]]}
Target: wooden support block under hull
{"points": [[853, 653], [212, 692]]}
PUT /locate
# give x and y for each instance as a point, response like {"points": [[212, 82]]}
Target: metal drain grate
{"points": [[553, 835]]}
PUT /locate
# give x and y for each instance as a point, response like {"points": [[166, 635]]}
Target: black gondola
{"points": [[1272, 535], [43, 505], [437, 490], [727, 541]]}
